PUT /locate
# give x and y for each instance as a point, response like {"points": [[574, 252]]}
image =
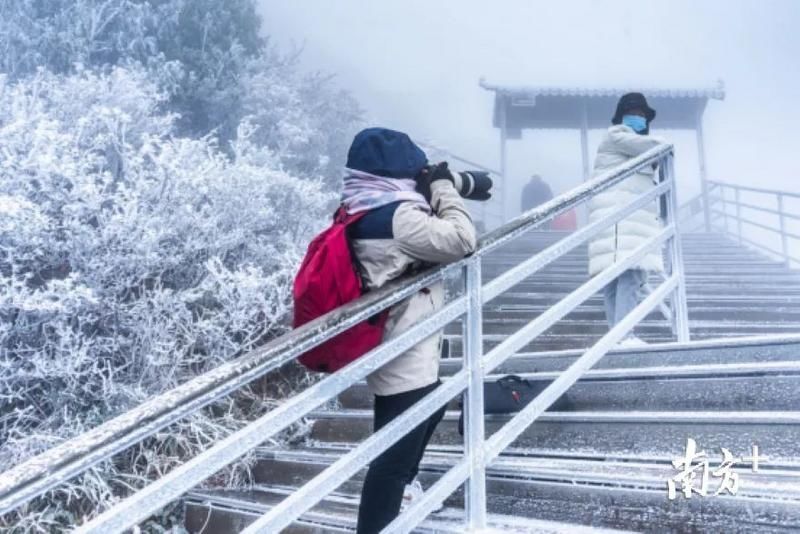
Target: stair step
{"points": [[499, 329], [777, 480], [771, 314], [623, 432], [226, 511], [709, 387], [721, 287], [753, 350], [577, 338]]}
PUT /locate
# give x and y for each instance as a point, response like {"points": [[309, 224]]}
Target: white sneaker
{"points": [[631, 342], [415, 492]]}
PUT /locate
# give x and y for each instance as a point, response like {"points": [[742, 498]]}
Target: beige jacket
{"points": [[617, 242], [395, 239]]}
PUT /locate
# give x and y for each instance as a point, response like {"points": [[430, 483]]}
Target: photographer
{"points": [[415, 218]]}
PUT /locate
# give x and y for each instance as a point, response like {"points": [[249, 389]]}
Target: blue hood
{"points": [[385, 152]]}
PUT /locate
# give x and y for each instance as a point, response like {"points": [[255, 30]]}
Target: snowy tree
{"points": [[207, 56], [313, 137], [131, 260]]}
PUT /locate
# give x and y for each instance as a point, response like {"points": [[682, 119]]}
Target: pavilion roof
{"points": [[551, 107]]}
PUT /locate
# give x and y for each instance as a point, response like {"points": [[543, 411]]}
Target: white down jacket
{"points": [[390, 241], [620, 144]]}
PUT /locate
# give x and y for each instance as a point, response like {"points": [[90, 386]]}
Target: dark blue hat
{"points": [[385, 152]]}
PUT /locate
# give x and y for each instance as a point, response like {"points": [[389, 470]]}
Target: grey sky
{"points": [[415, 65]]}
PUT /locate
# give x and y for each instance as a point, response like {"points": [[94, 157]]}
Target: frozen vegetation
{"points": [[161, 168]]}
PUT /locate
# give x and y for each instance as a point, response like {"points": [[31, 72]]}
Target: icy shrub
{"points": [[130, 262]]}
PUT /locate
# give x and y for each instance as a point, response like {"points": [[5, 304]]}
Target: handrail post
{"points": [[738, 213], [725, 203], [680, 308], [475, 498], [701, 158], [784, 236]]}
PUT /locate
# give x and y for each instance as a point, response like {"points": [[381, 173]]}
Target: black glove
{"points": [[430, 174]]}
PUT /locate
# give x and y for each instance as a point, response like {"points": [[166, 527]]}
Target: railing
{"points": [[753, 223], [69, 459]]}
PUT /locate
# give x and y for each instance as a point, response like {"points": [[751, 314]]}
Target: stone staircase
{"points": [[604, 460]]}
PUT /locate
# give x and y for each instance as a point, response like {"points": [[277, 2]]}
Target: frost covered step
{"points": [[709, 274], [694, 254], [691, 261], [751, 351], [229, 511], [576, 338], [498, 329], [709, 387], [766, 282], [722, 287], [774, 480], [545, 343], [748, 299], [623, 432], [764, 312], [589, 331], [562, 343]]}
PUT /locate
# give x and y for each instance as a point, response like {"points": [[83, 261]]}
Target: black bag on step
{"points": [[511, 394]]}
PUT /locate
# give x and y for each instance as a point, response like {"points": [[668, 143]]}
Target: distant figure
{"points": [[626, 139], [536, 192]]}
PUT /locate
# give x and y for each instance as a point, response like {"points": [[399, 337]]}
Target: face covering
{"points": [[639, 124]]}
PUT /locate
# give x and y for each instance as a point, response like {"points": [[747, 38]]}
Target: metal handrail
{"points": [[78, 454], [745, 220], [741, 219], [754, 189], [749, 206]]}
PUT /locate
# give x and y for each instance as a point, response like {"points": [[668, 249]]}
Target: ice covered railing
{"points": [[69, 459], [758, 217]]}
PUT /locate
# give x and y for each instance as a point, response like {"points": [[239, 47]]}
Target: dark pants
{"points": [[389, 473]]}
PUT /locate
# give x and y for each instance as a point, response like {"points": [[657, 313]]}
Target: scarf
{"points": [[364, 191]]}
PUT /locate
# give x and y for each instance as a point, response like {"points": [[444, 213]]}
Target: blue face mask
{"points": [[639, 124]]}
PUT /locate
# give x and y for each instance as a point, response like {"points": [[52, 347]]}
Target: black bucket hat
{"points": [[632, 101]]}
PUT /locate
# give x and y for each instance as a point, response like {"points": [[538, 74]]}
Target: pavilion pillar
{"points": [[505, 191], [583, 211], [585, 140], [701, 158]]}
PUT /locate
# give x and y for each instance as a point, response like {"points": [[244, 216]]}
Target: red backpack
{"points": [[327, 279]]}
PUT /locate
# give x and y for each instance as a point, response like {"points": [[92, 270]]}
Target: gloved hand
{"points": [[430, 174]]}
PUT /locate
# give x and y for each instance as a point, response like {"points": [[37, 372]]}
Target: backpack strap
{"points": [[342, 217]]}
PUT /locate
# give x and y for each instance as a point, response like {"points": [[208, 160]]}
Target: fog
{"points": [[415, 66]]}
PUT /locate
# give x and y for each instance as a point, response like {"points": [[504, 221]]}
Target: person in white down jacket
{"points": [[627, 138]]}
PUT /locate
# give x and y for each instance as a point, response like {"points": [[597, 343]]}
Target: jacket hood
{"points": [[385, 152]]}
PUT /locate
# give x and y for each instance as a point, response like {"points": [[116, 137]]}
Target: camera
{"points": [[472, 185]]}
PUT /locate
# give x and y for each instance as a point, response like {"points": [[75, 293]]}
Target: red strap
{"points": [[342, 217]]}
